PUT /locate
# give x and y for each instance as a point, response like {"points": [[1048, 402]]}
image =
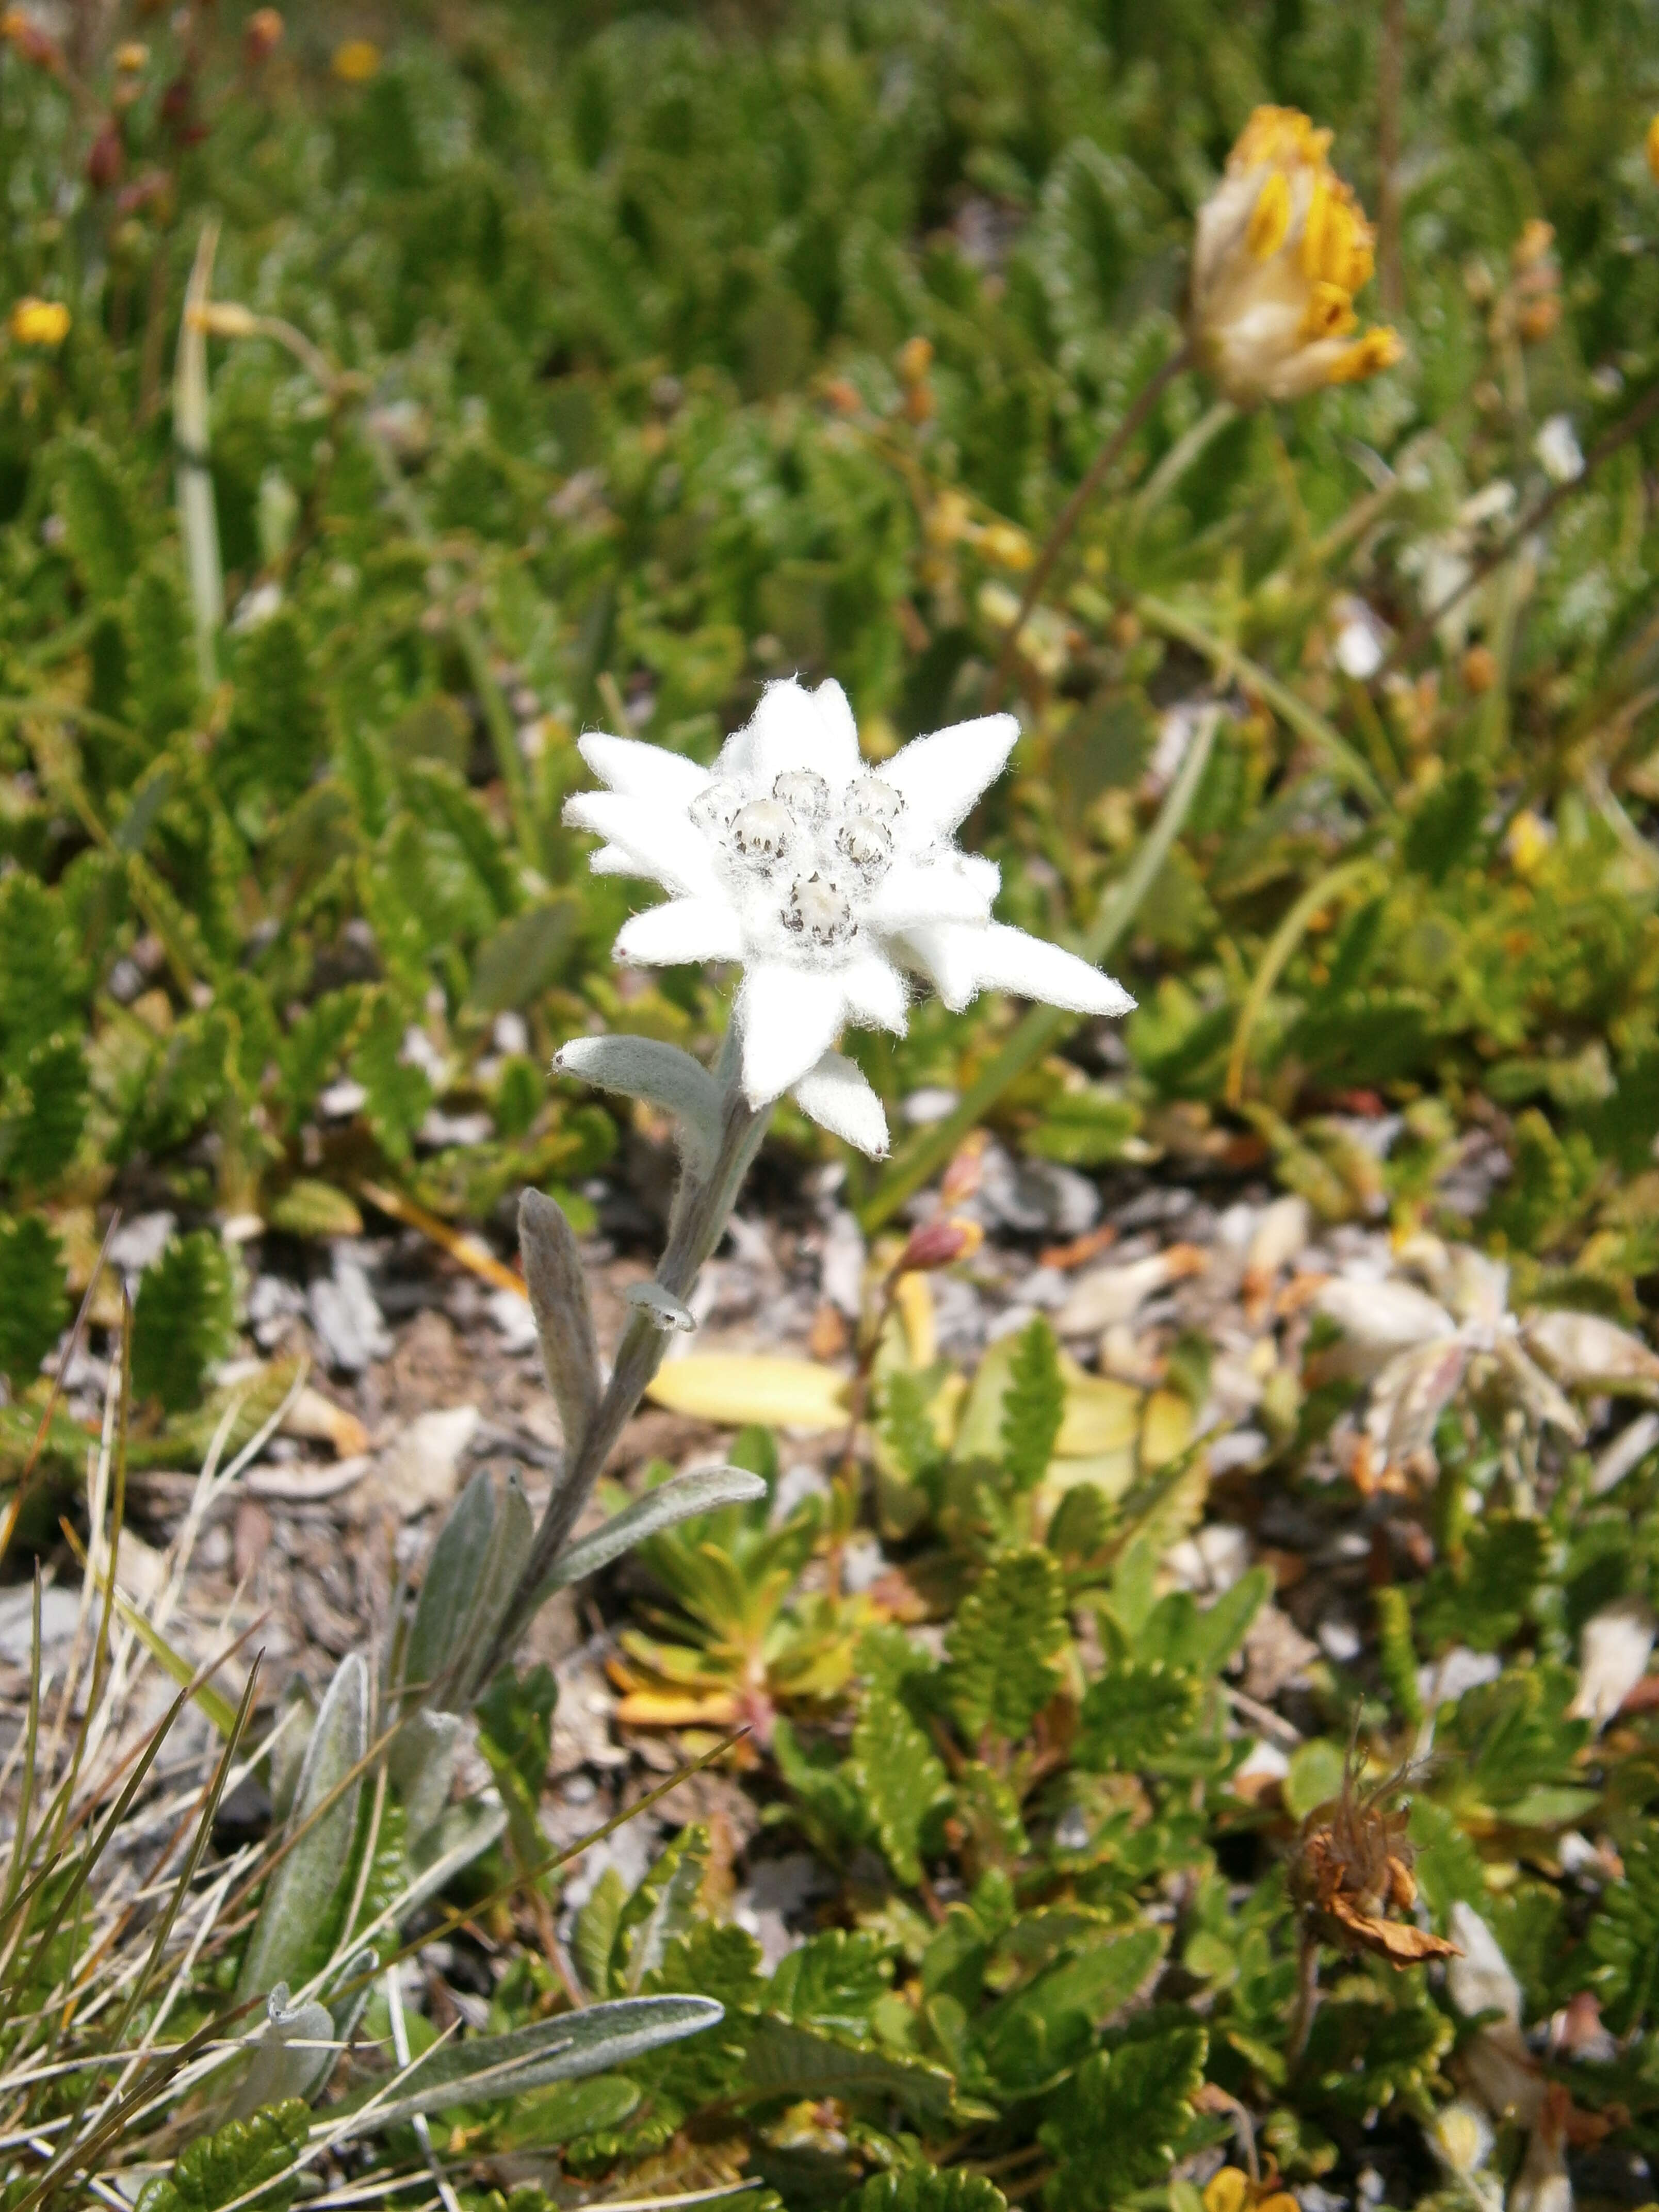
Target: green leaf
{"points": [[43, 1110], [161, 670], [444, 1608], [184, 1319], [1623, 1939], [40, 977], [791, 2062], [100, 529], [308, 1056], [34, 1306], [919, 2190], [1362, 2056], [900, 1774], [681, 1498], [486, 2068], [834, 1980], [305, 1898], [1114, 2126], [662, 1908], [216, 2169], [595, 1940], [1034, 1407], [1133, 1713], [1005, 1644], [1445, 824], [278, 732], [550, 2119], [398, 1092], [525, 957], [1484, 1598]]}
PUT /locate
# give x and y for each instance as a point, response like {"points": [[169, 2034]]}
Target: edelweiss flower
{"points": [[1281, 247], [828, 880]]}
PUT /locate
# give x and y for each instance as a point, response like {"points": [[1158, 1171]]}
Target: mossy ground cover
{"points": [[553, 373]]}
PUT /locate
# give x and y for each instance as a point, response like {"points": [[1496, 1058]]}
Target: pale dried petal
{"points": [[1613, 1650], [1588, 1354]]}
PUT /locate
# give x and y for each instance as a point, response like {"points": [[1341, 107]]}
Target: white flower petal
{"points": [[661, 842], [641, 771], [1383, 1318], [836, 1097], [790, 1016], [963, 960], [683, 929], [939, 777], [1613, 1650], [913, 893], [794, 728], [875, 995]]}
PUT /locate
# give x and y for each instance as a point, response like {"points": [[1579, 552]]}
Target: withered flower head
{"points": [[1353, 1867]]}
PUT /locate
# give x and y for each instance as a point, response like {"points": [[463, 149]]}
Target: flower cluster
{"points": [[1281, 247], [829, 880]]}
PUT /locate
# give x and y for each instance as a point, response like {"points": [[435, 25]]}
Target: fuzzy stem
{"points": [[702, 1207]]}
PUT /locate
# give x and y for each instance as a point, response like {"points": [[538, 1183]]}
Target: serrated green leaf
{"points": [[1135, 1713], [790, 2062], [184, 1319], [1114, 2126], [400, 1092], [100, 528], [235, 2162], [900, 1774], [834, 1980], [43, 1110], [1005, 1644], [1034, 1407], [40, 979], [916, 2191], [34, 1304]]}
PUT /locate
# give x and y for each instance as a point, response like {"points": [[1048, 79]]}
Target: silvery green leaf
{"points": [[452, 1575], [357, 1978], [298, 1895], [664, 1309], [564, 1321], [660, 1074], [486, 2067], [296, 1719], [421, 1762], [286, 2061], [509, 1547], [463, 1834], [680, 1498]]}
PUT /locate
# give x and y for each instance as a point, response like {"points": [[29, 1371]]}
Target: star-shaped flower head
{"points": [[831, 882]]}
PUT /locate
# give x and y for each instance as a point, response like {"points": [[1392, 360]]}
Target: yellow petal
{"points": [[39, 322], [1378, 349], [735, 1389], [1652, 149], [1227, 2191], [356, 61], [1270, 218], [1328, 314]]}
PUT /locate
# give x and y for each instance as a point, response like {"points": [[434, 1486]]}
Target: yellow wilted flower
{"points": [[356, 61], [39, 323], [1281, 247]]}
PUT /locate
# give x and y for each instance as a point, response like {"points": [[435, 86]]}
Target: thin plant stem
{"points": [[1224, 657], [1537, 516], [702, 1206], [1307, 1995], [1044, 1025], [197, 519], [1069, 516], [1283, 943]]}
